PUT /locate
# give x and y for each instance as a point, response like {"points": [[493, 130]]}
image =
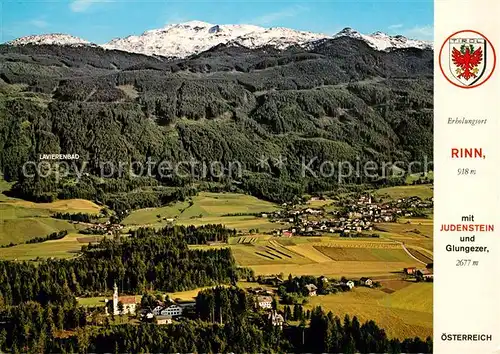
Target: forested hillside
{"points": [[147, 260], [339, 100]]}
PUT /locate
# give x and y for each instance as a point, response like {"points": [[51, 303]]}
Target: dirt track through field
{"points": [[409, 253]]}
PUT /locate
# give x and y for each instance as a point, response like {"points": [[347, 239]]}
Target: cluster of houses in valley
{"points": [[311, 288], [419, 274], [106, 228], [264, 301], [166, 311], [264, 297], [162, 313], [353, 216]]}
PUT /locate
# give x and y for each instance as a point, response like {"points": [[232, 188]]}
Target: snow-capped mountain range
{"points": [[383, 41], [184, 39], [53, 38]]}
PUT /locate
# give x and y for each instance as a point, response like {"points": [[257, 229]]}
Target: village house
{"points": [[311, 288], [274, 281], [163, 320], [314, 211], [128, 302], [264, 302], [366, 282], [276, 319], [145, 314], [424, 274], [255, 291], [410, 270]]}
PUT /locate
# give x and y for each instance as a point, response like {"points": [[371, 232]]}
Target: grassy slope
{"points": [[208, 208], [22, 220], [67, 247], [24, 229], [423, 191], [405, 313], [4, 186], [415, 233]]}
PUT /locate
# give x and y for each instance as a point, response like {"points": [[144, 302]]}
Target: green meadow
{"points": [[423, 191], [21, 220], [208, 208]]}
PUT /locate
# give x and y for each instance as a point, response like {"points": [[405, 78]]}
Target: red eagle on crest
{"points": [[467, 60]]}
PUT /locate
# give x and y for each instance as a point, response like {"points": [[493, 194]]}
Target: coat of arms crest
{"points": [[467, 59]]}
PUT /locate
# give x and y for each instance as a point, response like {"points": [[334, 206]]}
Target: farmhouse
{"points": [[366, 282], [163, 320], [274, 281], [410, 270], [264, 302], [424, 274], [311, 288], [128, 302]]}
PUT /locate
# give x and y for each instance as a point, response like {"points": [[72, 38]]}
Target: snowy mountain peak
{"points": [[380, 34], [214, 29], [184, 39], [53, 38], [347, 31], [382, 41], [193, 24]]}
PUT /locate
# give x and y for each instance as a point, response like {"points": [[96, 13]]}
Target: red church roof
{"points": [[127, 300]]}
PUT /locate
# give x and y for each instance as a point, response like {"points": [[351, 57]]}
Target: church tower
{"points": [[115, 299]]}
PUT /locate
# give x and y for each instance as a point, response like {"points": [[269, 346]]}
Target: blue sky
{"points": [[101, 20]]}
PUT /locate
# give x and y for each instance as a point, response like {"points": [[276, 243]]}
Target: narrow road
{"points": [[408, 252]]}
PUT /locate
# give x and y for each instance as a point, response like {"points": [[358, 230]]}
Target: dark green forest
{"points": [[146, 260], [337, 101], [192, 235]]}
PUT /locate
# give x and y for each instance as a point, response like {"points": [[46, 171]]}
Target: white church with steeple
{"points": [[127, 302]]}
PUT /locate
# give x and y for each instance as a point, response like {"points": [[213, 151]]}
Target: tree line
{"points": [[192, 235], [79, 217]]}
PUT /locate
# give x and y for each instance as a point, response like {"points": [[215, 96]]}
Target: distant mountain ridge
{"points": [[52, 38], [193, 37], [341, 100]]}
